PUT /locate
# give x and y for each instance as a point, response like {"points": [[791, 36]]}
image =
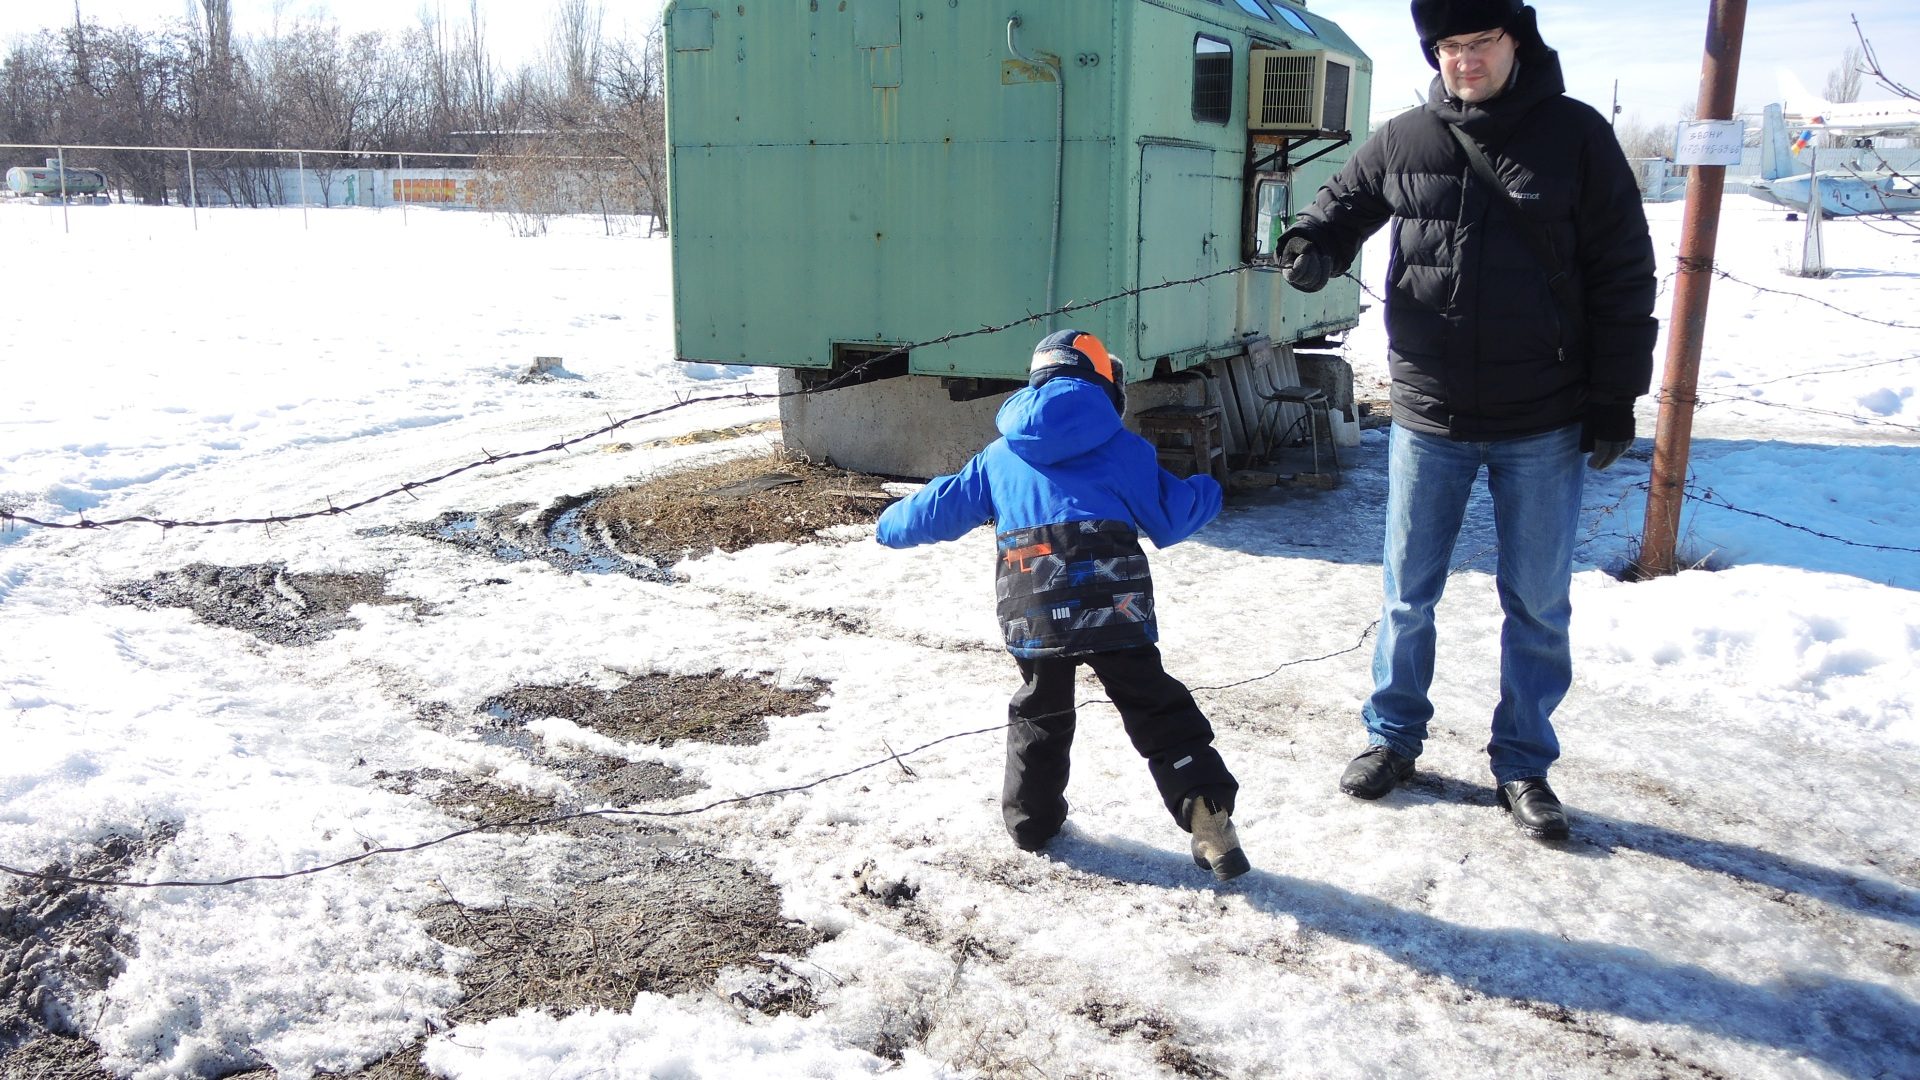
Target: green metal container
{"points": [[850, 176]]}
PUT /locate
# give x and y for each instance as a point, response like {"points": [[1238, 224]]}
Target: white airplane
{"points": [[1888, 115], [1844, 192]]}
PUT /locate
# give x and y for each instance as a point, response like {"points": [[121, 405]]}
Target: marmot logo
{"points": [[1524, 194]]}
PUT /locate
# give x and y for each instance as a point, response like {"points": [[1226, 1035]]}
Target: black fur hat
{"points": [[1436, 19]]}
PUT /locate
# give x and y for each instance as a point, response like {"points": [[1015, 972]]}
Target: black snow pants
{"points": [[1160, 716]]}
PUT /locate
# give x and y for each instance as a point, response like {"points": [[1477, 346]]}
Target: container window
{"points": [[1293, 18], [1212, 80], [1270, 216]]}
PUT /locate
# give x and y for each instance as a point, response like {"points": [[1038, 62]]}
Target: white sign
{"points": [[1709, 142]]}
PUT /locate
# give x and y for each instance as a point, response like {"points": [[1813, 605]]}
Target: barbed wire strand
{"points": [[1811, 374], [1704, 495], [1702, 403], [51, 877], [1717, 272], [8, 517], [1713, 498], [1691, 491]]}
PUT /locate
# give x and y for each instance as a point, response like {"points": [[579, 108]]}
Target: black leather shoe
{"points": [[1375, 772], [1535, 808]]}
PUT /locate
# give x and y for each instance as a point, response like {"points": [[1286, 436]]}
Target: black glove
{"points": [[1305, 267], [1607, 432]]}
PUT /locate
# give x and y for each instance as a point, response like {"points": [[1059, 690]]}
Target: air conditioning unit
{"points": [[1300, 92]]}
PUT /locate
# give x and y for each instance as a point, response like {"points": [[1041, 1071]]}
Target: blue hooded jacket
{"points": [[1070, 490]]}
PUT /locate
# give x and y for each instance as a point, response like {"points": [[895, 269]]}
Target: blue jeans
{"points": [[1535, 484]]}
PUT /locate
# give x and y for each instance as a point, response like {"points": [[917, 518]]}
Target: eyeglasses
{"points": [[1454, 50]]}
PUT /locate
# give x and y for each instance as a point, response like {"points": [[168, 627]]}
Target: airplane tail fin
{"points": [[1776, 158]]}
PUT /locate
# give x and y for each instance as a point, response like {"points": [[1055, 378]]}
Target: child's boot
{"points": [[1216, 846]]}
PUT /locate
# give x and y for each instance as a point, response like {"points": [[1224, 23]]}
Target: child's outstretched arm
{"points": [[1169, 509], [947, 508]]}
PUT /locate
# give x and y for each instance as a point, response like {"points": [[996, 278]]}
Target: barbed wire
{"points": [[1900, 226], [1691, 491], [1706, 496], [1692, 264], [9, 518], [1713, 498], [1858, 418], [1364, 635], [1697, 403], [1813, 374], [1364, 287], [1696, 492], [55, 878], [1717, 272]]}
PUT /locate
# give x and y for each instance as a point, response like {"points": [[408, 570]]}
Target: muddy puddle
{"points": [[643, 529], [264, 600]]}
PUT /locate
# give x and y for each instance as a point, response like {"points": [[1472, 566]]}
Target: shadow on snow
{"points": [[1857, 1028], [1864, 498]]}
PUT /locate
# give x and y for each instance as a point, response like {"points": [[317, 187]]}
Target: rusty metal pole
{"points": [[1699, 229]]}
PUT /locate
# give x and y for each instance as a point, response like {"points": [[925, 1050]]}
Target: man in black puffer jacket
{"points": [[1520, 332]]}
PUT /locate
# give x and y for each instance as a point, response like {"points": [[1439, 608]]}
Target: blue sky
{"points": [[1653, 47]]}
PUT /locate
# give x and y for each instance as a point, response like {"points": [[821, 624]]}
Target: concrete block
{"points": [[1331, 374], [901, 427], [1241, 481]]}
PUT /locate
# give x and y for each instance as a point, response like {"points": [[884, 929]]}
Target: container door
{"points": [[1176, 242]]}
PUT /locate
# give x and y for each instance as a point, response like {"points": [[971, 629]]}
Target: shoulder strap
{"points": [[1535, 233]]}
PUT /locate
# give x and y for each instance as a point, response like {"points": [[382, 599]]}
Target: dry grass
{"points": [[53, 1057], [691, 513]]}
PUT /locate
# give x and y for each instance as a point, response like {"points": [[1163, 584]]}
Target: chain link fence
{"points": [[528, 182]]}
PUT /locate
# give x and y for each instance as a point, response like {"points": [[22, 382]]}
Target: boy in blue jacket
{"points": [[1069, 490]]}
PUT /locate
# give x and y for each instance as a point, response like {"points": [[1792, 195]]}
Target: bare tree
{"points": [[212, 77], [635, 119], [479, 70], [1843, 82], [123, 87], [331, 91], [437, 51], [1643, 143], [1644, 140], [576, 46], [589, 115], [217, 16], [1872, 66], [31, 88], [526, 184]]}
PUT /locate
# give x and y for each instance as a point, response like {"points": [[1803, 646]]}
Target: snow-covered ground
{"points": [[1741, 897]]}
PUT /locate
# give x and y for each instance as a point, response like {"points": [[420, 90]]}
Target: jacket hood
{"points": [[1059, 419]]}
